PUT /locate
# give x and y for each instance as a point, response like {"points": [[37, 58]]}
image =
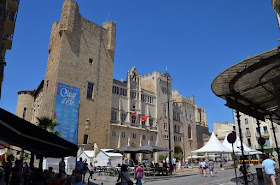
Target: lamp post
{"points": [[168, 115]]}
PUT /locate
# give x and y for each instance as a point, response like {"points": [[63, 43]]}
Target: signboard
{"points": [[66, 111], [231, 138]]}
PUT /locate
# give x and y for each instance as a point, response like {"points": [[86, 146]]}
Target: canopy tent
{"points": [[142, 149], [213, 146], [23, 134], [237, 147], [150, 149], [125, 149]]}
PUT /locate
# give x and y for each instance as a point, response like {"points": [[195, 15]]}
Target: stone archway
{"points": [[178, 150]]}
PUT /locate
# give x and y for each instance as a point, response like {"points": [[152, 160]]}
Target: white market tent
{"points": [[237, 147], [102, 157], [213, 146]]}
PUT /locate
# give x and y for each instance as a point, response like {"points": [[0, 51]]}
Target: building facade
{"points": [[81, 55], [251, 135], [8, 16], [222, 129], [112, 113]]}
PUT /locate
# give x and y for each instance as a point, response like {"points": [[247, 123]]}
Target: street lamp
{"points": [[168, 115]]}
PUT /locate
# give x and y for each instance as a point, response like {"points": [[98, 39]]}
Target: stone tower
{"points": [[81, 54]]}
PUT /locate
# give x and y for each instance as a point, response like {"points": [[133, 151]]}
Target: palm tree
{"points": [[48, 124]]}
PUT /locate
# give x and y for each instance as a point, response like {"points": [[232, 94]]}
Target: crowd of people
{"points": [[23, 174]]}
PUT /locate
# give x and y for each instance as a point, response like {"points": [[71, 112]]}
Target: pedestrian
{"points": [[79, 166], [167, 160], [186, 163], [174, 163], [16, 172], [179, 165], [200, 167], [109, 163], [49, 176], [124, 176], [203, 168], [206, 165], [91, 170], [269, 166], [7, 169], [211, 167], [62, 166], [130, 163], [139, 174], [125, 161], [85, 169]]}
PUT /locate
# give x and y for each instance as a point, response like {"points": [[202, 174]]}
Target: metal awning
{"points": [[251, 85], [21, 133]]}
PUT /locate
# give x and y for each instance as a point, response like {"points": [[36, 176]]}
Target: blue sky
{"points": [[197, 40]]}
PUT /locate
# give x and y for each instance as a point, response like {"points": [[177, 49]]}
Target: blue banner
{"points": [[66, 111]]}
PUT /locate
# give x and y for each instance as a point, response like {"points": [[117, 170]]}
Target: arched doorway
{"points": [[178, 150]]}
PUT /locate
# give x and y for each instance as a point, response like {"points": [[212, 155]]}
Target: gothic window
{"points": [[123, 116], [24, 113], [90, 90], [134, 136], [114, 133], [85, 139], [165, 126], [133, 119], [164, 110], [151, 123], [189, 132], [144, 137]]}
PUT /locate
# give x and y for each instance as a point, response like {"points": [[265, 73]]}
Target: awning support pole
{"points": [[31, 164], [261, 138], [276, 143], [242, 148]]}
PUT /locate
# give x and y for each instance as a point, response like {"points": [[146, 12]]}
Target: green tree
{"points": [[178, 156], [161, 157], [49, 124]]}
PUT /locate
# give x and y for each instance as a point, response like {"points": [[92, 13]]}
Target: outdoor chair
{"points": [[131, 171]]}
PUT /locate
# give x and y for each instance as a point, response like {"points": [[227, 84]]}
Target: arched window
{"points": [[189, 132]]}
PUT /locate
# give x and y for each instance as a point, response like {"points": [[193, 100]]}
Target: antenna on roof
{"points": [[166, 69]]}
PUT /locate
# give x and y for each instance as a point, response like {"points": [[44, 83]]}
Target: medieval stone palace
{"points": [[80, 93]]}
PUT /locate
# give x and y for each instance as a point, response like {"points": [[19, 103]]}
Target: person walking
{"points": [[206, 165], [211, 167], [174, 163], [16, 172], [139, 174], [7, 169], [85, 169], [124, 176], [91, 170], [179, 165], [203, 168], [270, 170], [62, 166], [186, 163], [79, 166]]}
